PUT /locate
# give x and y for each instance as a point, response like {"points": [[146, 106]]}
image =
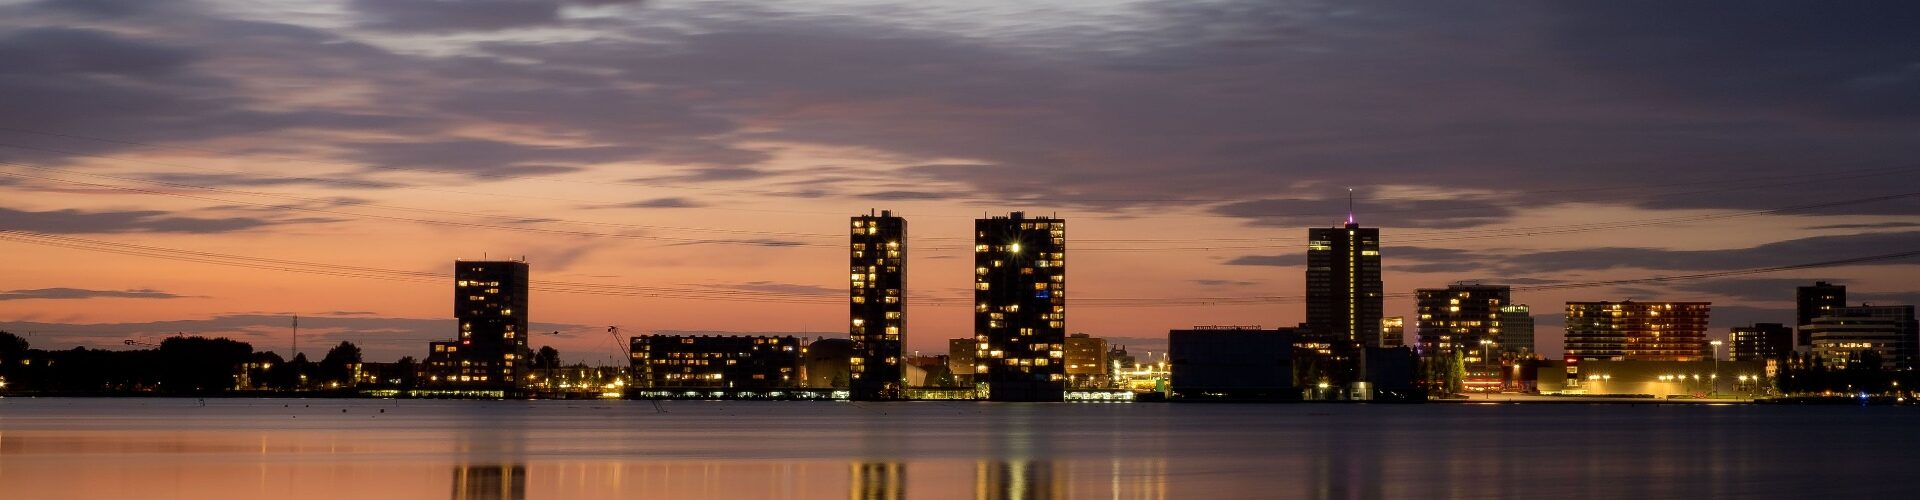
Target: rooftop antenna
{"points": [[1350, 206], [296, 338]]}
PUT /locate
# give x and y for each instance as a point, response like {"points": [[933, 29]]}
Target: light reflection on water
{"points": [[469, 450]]}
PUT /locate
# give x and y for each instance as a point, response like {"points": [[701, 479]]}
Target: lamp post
{"points": [[1485, 344], [1715, 378]]}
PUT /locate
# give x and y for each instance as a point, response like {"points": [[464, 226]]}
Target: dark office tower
{"points": [[878, 306], [1465, 320], [1760, 342], [1815, 301], [490, 301], [1344, 302], [1020, 306]]}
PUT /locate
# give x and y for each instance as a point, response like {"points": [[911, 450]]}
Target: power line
{"points": [[821, 298]]}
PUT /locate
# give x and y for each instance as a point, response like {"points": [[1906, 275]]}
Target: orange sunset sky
{"points": [[703, 158]]}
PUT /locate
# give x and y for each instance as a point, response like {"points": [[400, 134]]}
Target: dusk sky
{"points": [[701, 158]]}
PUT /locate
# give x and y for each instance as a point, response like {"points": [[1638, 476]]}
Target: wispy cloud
{"points": [[81, 293]]}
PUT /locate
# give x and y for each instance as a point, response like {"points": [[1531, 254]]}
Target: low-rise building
{"points": [[1660, 379], [1245, 363], [665, 361]]}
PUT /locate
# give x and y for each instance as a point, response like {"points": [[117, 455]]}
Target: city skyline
{"points": [[693, 161]]}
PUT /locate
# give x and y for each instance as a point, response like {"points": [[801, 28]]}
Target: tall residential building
{"points": [[878, 306], [1760, 342], [1864, 335], [1393, 331], [1020, 307], [1637, 331], [1465, 319], [1516, 329], [490, 303], [1345, 299], [1815, 301]]}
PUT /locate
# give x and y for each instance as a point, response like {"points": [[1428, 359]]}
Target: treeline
{"points": [[185, 366], [1808, 374]]}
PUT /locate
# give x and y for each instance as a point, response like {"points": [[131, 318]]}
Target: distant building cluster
{"points": [[1469, 338]]}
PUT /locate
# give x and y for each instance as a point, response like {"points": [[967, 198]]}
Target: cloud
{"points": [[899, 195], [1795, 251], [486, 157], [1293, 260], [707, 174], [454, 15], [1219, 282], [1511, 267], [1437, 214], [1843, 60], [1874, 225], [673, 202], [783, 288], [243, 180], [1751, 289], [81, 293], [71, 221], [40, 51]]}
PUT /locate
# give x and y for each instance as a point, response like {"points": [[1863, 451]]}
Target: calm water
{"points": [[153, 449]]}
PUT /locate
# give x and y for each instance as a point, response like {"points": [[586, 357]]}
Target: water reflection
{"points": [[246, 450], [878, 481], [490, 482], [1017, 479]]}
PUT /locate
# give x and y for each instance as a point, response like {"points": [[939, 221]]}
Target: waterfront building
{"points": [[878, 306], [1637, 331], [490, 305], [1760, 342], [1086, 361], [1020, 307], [1345, 308], [1819, 299], [1465, 320], [721, 361], [1634, 331], [1232, 362], [1345, 300], [1393, 331], [1865, 336], [1660, 379], [1516, 330]]}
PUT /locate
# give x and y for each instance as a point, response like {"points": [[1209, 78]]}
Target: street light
{"points": [[1716, 367], [1484, 345]]}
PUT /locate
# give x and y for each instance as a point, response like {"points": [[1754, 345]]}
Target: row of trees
{"points": [[1810, 374], [178, 365]]}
